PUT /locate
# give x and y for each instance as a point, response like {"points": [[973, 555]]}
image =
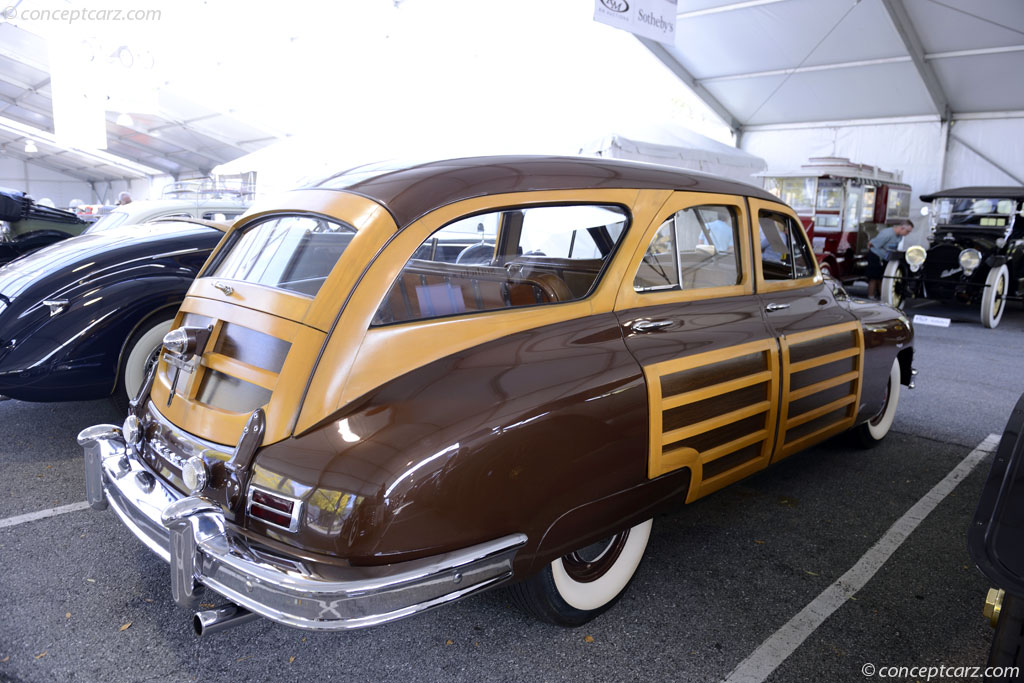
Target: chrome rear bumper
{"points": [[193, 536]]}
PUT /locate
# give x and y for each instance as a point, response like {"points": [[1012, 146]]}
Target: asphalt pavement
{"points": [[83, 600]]}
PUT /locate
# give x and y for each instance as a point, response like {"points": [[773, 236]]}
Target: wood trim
{"points": [[357, 358], [629, 298], [715, 422], [716, 390], [824, 384], [236, 368], [661, 460], [756, 206], [850, 402]]}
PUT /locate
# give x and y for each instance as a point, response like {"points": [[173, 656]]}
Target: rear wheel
{"points": [[872, 432], [992, 302], [577, 587], [138, 356], [892, 284]]}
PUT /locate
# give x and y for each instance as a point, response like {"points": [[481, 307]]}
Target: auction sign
{"points": [[654, 19]]}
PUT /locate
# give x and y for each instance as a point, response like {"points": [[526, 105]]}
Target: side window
{"points": [[693, 249], [784, 254], [514, 257]]}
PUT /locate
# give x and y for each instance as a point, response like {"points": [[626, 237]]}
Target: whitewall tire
{"points": [[577, 587], [992, 302], [139, 354], [874, 430], [892, 284]]}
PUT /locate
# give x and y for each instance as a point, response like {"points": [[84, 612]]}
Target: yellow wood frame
{"points": [[679, 201], [359, 358], [756, 206], [851, 401], [659, 462]]}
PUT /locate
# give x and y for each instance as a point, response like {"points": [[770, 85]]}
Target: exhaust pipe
{"points": [[220, 618]]}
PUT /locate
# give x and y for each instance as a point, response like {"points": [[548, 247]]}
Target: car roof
{"points": [[219, 225], [411, 190], [978, 192]]}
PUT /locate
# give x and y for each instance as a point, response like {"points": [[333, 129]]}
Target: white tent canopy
{"points": [[679, 147]]}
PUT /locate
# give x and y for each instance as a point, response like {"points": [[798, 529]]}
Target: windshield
{"points": [[984, 212], [294, 253], [111, 220], [797, 192]]}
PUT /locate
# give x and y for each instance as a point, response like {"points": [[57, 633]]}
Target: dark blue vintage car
{"points": [[84, 318]]}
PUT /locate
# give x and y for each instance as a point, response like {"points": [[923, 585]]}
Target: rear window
{"points": [[294, 253]]}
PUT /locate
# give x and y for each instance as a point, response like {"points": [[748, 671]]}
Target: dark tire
{"points": [[140, 352], [871, 433], [575, 588], [1008, 640]]}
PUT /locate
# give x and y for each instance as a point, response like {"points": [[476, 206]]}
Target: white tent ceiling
{"points": [[183, 139], [764, 62]]}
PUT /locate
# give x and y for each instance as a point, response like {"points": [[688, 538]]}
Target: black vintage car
{"points": [[975, 254], [84, 318], [26, 226], [994, 541]]}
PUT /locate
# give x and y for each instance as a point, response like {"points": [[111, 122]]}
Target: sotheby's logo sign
{"points": [[655, 19]]}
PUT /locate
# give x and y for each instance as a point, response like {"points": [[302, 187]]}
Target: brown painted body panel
{"points": [[453, 453]]}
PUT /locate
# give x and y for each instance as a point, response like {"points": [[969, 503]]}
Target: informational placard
{"points": [[932, 320], [654, 19]]}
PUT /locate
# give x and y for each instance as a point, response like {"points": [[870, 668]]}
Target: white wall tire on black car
{"points": [[892, 284], [874, 430], [992, 302], [139, 354], [577, 587]]}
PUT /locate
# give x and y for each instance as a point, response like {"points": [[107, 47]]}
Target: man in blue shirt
{"points": [[887, 240]]}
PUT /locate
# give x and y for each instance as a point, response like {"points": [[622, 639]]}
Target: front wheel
{"points": [[140, 353], [871, 433], [577, 587], [892, 284], [992, 302]]}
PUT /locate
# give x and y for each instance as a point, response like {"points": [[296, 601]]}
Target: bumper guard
{"points": [[203, 550]]}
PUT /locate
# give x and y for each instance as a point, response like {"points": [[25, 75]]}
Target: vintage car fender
{"points": [[29, 242], [71, 349]]}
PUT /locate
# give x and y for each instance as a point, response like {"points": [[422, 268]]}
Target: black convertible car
{"points": [[84, 318], [975, 254]]}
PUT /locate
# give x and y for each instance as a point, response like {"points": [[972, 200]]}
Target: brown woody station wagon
{"points": [[409, 384]]}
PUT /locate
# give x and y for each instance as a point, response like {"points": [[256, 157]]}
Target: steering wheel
{"points": [[476, 254]]}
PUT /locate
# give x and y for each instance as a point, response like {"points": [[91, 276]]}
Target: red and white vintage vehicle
{"points": [[842, 206]]}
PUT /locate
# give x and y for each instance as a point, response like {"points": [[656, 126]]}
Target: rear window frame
{"points": [[598, 280], [236, 233]]}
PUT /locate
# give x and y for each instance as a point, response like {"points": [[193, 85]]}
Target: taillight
{"points": [[273, 508]]}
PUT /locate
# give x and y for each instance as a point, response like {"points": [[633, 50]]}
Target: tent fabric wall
{"points": [[998, 140], [42, 182], [678, 147]]}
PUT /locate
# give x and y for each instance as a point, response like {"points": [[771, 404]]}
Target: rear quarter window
{"points": [[293, 253]]}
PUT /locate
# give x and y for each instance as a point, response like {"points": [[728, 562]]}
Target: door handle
{"points": [[650, 325], [775, 307], [227, 289]]}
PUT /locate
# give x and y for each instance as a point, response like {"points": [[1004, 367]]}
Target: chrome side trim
{"points": [[192, 535]]}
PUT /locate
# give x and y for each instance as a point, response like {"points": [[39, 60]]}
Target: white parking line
{"points": [[43, 514], [772, 652]]}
